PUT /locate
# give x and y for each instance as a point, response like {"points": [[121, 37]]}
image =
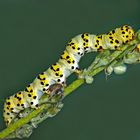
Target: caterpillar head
{"points": [[126, 33]]}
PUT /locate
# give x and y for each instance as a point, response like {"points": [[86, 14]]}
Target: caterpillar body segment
{"points": [[66, 65]]}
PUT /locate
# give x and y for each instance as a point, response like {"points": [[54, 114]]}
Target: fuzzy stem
{"points": [[91, 71]]}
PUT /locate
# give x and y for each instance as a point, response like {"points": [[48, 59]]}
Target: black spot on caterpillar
{"points": [[67, 64]]}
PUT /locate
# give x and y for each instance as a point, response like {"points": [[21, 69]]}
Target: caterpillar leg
{"points": [[78, 72], [119, 48]]}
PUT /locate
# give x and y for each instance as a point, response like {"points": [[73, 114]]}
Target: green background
{"points": [[33, 33]]}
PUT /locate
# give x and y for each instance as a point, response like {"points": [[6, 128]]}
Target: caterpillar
{"points": [[66, 65]]}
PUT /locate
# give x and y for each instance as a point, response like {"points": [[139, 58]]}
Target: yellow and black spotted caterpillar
{"points": [[67, 64]]}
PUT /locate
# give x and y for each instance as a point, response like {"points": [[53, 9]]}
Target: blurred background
{"points": [[33, 33]]}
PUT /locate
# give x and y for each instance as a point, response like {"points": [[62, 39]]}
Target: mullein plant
{"points": [[108, 61]]}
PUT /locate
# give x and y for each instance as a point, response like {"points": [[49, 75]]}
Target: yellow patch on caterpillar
{"points": [[113, 39], [98, 43], [57, 70], [67, 57], [43, 79], [126, 33], [73, 45], [85, 38], [19, 99], [9, 103]]}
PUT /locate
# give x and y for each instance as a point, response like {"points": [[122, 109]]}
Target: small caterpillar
{"points": [[66, 65]]}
